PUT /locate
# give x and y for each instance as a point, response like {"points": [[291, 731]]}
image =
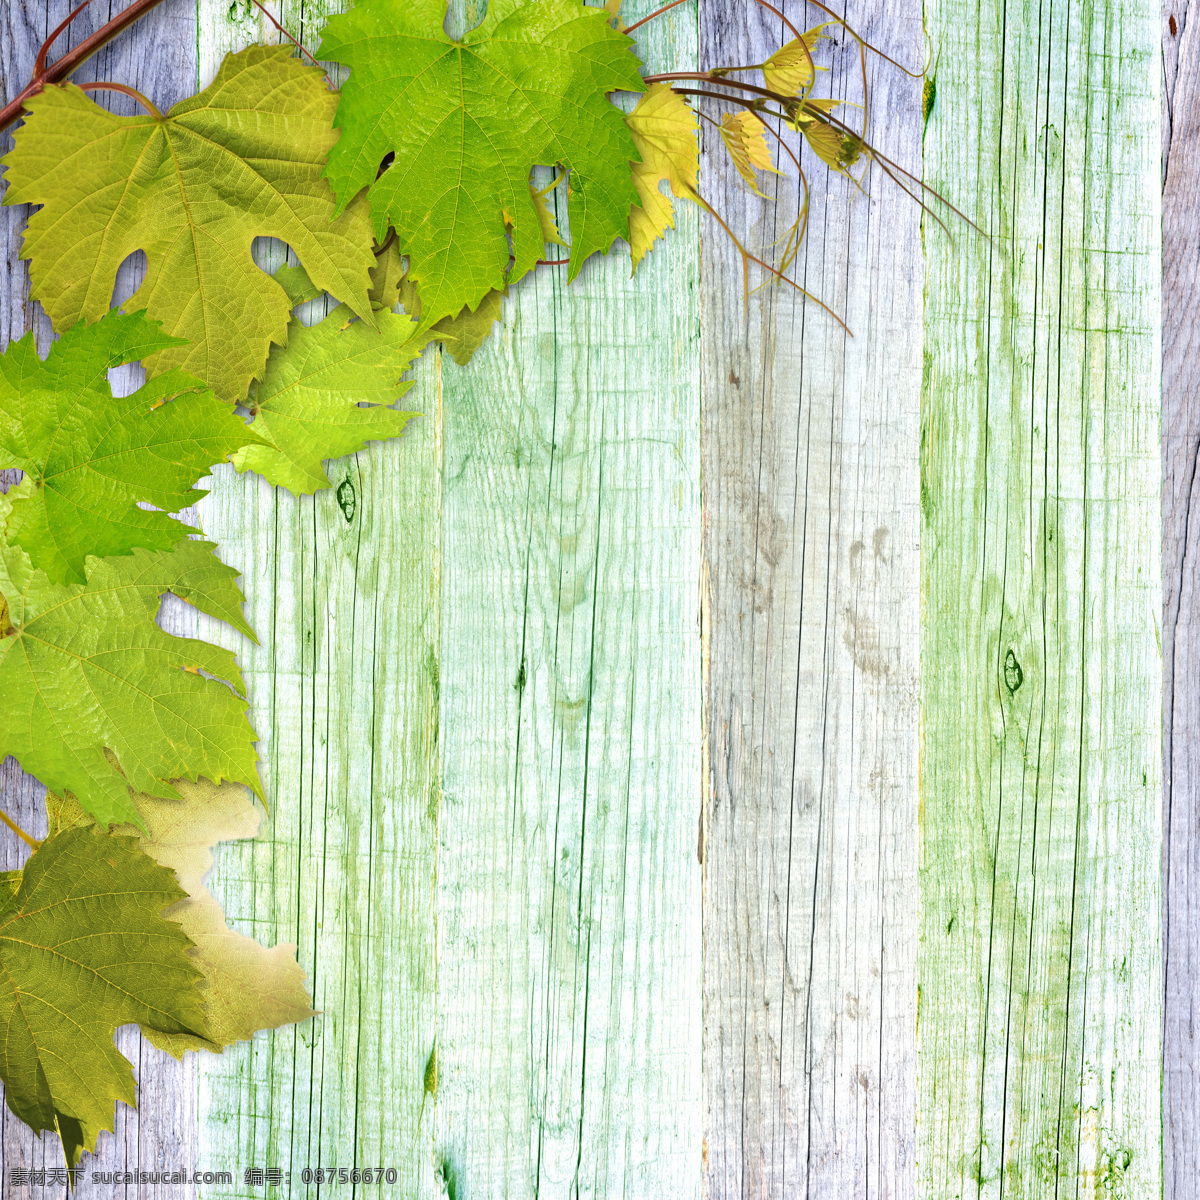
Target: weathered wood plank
{"points": [[569, 961], [1040, 981], [157, 57], [811, 544], [343, 590], [1181, 618]]}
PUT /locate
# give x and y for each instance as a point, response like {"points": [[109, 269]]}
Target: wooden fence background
{"points": [[716, 756]]}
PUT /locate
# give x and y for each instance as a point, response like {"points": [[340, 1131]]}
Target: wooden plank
{"points": [[569, 961], [811, 545], [344, 592], [572, 507], [158, 58], [344, 691], [1040, 981], [1181, 617]]}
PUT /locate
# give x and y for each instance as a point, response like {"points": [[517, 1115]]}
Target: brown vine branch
{"points": [[658, 12], [748, 258], [790, 103], [299, 46], [39, 63], [862, 41], [73, 59]]}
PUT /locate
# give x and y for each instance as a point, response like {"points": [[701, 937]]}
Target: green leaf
{"points": [[307, 409], [245, 986], [192, 189], [95, 698], [295, 281], [84, 950], [459, 336], [89, 457], [467, 121]]}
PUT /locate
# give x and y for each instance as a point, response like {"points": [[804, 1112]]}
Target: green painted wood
{"points": [[343, 590], [1040, 973], [569, 886], [486, 836]]}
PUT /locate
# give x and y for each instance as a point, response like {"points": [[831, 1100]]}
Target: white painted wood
{"points": [[1181, 619], [812, 552]]}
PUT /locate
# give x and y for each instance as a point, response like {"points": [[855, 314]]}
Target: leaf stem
{"points": [[748, 258], [125, 90], [31, 842], [857, 37], [718, 80], [73, 59], [299, 46], [658, 12], [872, 154], [883, 160]]}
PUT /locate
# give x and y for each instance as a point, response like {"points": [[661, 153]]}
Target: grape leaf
{"points": [[295, 281], [467, 121], [84, 950], [245, 986], [89, 457], [460, 336], [192, 189], [307, 409], [545, 216], [96, 698], [790, 71], [838, 149], [746, 140], [665, 132]]}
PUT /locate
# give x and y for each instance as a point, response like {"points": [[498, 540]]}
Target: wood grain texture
{"points": [[1181, 616], [159, 60], [343, 590], [1040, 977], [569, 962], [562, 703], [811, 544], [479, 679]]}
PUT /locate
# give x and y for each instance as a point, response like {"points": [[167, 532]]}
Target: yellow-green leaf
{"points": [[664, 131], [746, 140], [192, 189], [244, 986], [836, 148], [83, 950], [790, 71]]}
